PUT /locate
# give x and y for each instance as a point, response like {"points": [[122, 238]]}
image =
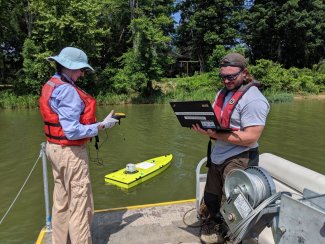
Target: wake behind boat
{"points": [[135, 174]]}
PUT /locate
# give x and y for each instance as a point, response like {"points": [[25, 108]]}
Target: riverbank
{"points": [[310, 97], [160, 95]]}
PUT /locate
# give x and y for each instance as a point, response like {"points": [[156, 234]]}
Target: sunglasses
{"points": [[231, 77]]}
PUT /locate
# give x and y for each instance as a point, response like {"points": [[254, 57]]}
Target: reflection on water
{"points": [[294, 131]]}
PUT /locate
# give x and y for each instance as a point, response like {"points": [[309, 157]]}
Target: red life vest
{"points": [[53, 129], [224, 115]]}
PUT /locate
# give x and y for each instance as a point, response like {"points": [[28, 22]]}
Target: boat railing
{"points": [[200, 179], [46, 188]]}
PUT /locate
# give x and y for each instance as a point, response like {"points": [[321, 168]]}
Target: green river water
{"points": [[295, 131]]}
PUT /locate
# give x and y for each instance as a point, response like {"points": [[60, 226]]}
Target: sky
{"points": [[176, 17]]}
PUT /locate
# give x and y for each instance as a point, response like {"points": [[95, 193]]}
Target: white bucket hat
{"points": [[71, 58]]}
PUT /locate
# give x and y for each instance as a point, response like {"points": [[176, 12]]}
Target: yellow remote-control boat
{"points": [[135, 174]]}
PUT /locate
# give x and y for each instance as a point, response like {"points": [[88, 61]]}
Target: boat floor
{"points": [[151, 224], [156, 223]]}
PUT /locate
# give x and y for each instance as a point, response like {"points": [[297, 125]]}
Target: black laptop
{"points": [[197, 112]]}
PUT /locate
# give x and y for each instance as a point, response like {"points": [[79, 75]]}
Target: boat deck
{"points": [[170, 222], [161, 223]]}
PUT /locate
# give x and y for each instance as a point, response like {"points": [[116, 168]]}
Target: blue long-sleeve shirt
{"points": [[66, 102]]}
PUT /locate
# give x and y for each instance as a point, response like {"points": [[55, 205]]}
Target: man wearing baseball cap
{"points": [[69, 122], [242, 107]]}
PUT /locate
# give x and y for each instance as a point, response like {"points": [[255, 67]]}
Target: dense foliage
{"points": [[205, 24], [273, 78], [290, 32], [277, 83], [134, 44]]}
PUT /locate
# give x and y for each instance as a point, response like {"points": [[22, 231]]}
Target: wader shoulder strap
{"points": [[208, 164], [253, 157], [96, 142]]}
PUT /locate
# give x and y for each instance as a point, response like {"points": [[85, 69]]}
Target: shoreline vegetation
{"points": [[276, 83], [133, 47], [8, 100]]}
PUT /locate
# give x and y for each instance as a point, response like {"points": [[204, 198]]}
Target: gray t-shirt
{"points": [[252, 109]]}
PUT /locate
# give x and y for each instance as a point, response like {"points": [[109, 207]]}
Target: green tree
{"points": [[13, 30], [58, 24], [115, 16], [145, 61], [205, 24], [290, 32]]}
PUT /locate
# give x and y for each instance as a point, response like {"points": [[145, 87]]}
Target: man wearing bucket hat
{"points": [[240, 106], [69, 122]]}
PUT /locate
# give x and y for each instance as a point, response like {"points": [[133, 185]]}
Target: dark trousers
{"points": [[216, 176]]}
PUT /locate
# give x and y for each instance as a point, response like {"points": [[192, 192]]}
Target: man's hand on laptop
{"points": [[209, 132]]}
